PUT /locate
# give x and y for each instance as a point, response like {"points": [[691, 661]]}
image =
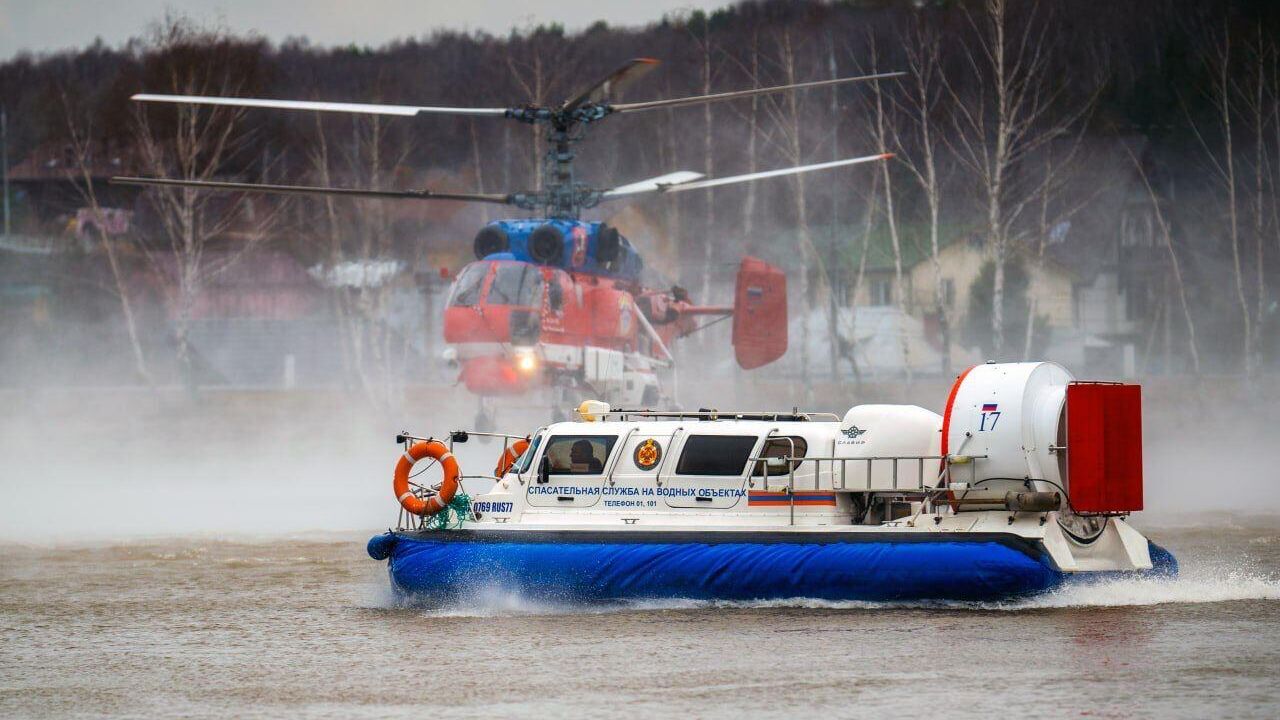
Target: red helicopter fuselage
{"points": [[516, 326]]}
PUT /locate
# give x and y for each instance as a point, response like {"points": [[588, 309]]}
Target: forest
{"points": [[1129, 152]]}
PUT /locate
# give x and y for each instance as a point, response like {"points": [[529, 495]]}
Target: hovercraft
{"points": [[1025, 482]]}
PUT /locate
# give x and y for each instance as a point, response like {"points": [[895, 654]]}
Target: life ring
{"points": [[448, 463], [509, 457]]}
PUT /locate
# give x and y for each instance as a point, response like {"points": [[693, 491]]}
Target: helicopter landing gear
{"points": [[651, 398], [559, 401], [486, 417]]}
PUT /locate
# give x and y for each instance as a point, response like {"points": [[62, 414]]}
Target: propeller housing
{"points": [[576, 245]]}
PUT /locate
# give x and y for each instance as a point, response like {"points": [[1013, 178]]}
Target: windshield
{"points": [[579, 454], [516, 284], [522, 462], [466, 290]]}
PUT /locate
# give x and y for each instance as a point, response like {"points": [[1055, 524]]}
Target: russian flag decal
{"points": [[761, 498], [988, 407]]}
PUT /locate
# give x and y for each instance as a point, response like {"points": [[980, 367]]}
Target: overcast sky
{"points": [[43, 25]]}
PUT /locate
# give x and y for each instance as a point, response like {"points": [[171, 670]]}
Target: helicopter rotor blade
{"points": [[721, 97], [318, 106], [657, 184], [653, 184], [311, 190], [627, 73]]}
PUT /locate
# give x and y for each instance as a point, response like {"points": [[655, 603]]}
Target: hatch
{"points": [[710, 472]]}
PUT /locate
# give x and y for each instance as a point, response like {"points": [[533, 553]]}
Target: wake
{"points": [[1206, 584]]}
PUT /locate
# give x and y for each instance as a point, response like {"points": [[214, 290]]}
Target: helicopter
{"points": [[555, 302]]}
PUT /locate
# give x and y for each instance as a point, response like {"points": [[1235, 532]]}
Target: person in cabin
{"points": [[583, 457]]}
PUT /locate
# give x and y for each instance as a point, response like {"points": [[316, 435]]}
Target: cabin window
{"points": [[715, 454], [516, 284], [780, 447], [578, 454], [526, 458], [466, 291]]}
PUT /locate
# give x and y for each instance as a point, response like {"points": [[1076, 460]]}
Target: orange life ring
{"points": [[509, 457], [448, 488]]}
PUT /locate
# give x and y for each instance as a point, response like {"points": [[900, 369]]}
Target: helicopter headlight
{"points": [[526, 361]]}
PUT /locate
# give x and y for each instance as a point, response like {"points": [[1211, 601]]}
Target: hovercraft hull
{"points": [[554, 566]]}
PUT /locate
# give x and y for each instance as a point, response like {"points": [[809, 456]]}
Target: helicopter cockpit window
{"points": [[466, 291], [516, 284]]}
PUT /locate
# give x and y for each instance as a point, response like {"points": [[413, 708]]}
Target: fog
{"points": [[84, 464]]}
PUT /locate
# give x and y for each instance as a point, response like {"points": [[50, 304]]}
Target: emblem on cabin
{"points": [[852, 432], [647, 454]]}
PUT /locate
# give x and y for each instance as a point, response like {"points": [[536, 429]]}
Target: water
{"points": [[303, 626], [160, 558]]}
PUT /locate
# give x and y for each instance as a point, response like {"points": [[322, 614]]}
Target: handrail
{"points": [[666, 457], [453, 435], [622, 447], [769, 415], [791, 471], [920, 487]]}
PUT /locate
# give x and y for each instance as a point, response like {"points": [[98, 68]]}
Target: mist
{"points": [[97, 463]]}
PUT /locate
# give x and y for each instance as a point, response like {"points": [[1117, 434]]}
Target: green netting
{"points": [[453, 515]]}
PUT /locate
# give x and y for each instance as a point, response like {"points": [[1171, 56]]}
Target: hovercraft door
{"points": [[575, 467], [710, 473]]}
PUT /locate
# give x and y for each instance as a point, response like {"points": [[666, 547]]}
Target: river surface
{"points": [[304, 626]]}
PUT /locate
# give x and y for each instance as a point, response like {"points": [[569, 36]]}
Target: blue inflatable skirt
{"points": [[457, 565]]}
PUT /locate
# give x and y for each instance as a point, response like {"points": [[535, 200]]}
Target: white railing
{"points": [[921, 487], [421, 491]]}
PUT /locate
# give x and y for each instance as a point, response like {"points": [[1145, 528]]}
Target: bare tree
{"points": [[669, 153], [870, 209], [1222, 162], [1261, 53], [539, 60], [753, 129], [81, 177], [194, 143], [1175, 267], [1057, 203], [361, 265], [1000, 121], [787, 117], [882, 134], [833, 301], [535, 75], [700, 33], [477, 167], [923, 90]]}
